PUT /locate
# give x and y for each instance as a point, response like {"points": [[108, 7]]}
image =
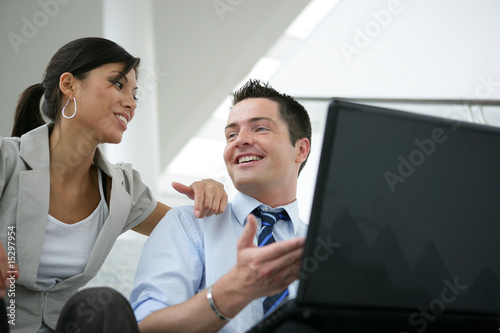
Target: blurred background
{"points": [[439, 57]]}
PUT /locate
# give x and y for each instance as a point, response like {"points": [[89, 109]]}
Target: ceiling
{"points": [[206, 50]]}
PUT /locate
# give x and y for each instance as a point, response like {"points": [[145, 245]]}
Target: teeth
{"points": [[248, 159], [122, 118]]}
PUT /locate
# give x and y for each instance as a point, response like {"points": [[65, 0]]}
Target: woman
{"points": [[62, 202]]}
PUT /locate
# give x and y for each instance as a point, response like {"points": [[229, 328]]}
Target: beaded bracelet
{"points": [[212, 305]]}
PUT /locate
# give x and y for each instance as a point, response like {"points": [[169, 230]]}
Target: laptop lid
{"points": [[405, 217]]}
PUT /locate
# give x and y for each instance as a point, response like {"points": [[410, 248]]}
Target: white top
{"points": [[66, 247]]}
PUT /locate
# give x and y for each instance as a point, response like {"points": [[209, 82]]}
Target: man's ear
{"points": [[303, 147], [66, 84]]}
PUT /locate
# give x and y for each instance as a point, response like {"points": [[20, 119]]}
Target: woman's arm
{"points": [[209, 198], [147, 226]]}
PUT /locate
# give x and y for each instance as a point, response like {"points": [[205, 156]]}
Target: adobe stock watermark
{"points": [[323, 250], [223, 6], [485, 89], [11, 275], [149, 78], [425, 148], [373, 28], [222, 177], [88, 308], [85, 147], [30, 25], [448, 295]]}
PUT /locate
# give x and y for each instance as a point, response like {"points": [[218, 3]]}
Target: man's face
{"points": [[258, 154]]}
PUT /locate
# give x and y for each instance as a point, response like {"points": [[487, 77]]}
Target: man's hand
{"points": [[267, 270], [208, 195]]}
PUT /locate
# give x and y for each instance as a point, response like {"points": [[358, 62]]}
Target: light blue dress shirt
{"points": [[185, 255]]}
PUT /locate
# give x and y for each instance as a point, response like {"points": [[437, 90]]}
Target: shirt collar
{"points": [[35, 151], [242, 205]]}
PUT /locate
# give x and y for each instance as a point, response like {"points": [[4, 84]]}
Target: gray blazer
{"points": [[24, 205]]}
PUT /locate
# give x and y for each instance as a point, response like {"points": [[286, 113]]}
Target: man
{"points": [[196, 275]]}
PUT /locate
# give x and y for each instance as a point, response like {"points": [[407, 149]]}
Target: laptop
{"points": [[404, 233]]}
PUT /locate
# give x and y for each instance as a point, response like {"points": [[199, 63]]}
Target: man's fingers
{"points": [[283, 278], [291, 272], [281, 248], [288, 261], [268, 268], [277, 274], [248, 234]]}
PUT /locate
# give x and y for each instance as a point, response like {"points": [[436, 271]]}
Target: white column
{"points": [[130, 24]]}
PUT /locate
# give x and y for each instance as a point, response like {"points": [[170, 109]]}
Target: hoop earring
{"points": [[64, 108]]}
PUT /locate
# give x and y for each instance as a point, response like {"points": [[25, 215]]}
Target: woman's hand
{"points": [[209, 198], [208, 195]]}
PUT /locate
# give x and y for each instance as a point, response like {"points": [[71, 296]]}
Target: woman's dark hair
{"points": [[292, 112], [78, 57]]}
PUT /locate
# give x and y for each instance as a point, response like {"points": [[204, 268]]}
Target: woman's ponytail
{"points": [[28, 115]]}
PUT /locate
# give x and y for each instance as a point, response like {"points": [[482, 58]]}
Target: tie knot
{"points": [[270, 217]]}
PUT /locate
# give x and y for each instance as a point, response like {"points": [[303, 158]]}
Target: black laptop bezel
{"points": [[337, 106]]}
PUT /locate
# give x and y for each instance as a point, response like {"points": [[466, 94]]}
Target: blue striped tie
{"points": [[266, 237]]}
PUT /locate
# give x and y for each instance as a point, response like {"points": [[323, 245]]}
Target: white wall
{"points": [[140, 145], [30, 33], [203, 51], [398, 48]]}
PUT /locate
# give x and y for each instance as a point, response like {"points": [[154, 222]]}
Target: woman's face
{"points": [[105, 104]]}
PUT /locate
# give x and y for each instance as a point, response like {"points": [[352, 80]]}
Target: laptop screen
{"points": [[406, 214]]}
